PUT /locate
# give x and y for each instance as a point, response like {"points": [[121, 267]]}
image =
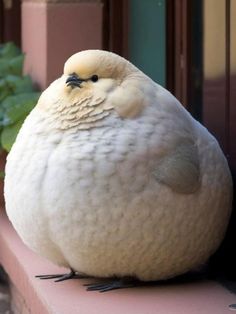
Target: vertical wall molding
{"points": [[115, 26], [53, 31], [178, 48], [10, 21]]}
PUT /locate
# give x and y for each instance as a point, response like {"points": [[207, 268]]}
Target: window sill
{"points": [[43, 297]]}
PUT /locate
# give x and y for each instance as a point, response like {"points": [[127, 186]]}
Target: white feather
{"points": [[95, 200]]}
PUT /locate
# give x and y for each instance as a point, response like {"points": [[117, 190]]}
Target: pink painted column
{"points": [[55, 29]]}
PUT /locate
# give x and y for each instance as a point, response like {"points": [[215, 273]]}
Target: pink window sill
{"points": [[71, 297]]}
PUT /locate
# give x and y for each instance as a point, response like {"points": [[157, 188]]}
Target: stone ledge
{"points": [[44, 297]]}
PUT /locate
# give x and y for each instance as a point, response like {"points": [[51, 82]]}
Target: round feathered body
{"points": [[110, 175]]}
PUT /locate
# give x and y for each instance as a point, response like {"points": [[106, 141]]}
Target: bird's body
{"points": [[109, 186]]}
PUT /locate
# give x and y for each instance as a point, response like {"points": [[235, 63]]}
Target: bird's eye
{"points": [[94, 78]]}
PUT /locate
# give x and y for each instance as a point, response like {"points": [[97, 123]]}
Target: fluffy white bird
{"points": [[111, 176]]}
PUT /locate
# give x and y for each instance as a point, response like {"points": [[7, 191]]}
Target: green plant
{"points": [[17, 94]]}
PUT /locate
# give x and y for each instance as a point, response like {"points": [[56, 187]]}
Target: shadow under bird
{"points": [[111, 177]]}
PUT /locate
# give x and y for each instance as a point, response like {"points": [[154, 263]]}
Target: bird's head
{"points": [[94, 66], [94, 85]]}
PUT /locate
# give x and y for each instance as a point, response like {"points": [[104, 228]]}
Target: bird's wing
{"points": [[180, 169]]}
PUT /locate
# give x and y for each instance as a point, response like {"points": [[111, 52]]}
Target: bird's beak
{"points": [[74, 81]]}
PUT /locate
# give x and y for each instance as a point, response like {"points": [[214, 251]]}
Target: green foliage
{"points": [[2, 174], [17, 94], [9, 134]]}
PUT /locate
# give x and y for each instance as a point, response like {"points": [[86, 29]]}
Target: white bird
{"points": [[111, 176]]}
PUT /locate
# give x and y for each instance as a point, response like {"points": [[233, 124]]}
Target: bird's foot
{"points": [[61, 277], [114, 284]]}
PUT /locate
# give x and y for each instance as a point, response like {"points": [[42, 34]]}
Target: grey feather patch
{"points": [[180, 169]]}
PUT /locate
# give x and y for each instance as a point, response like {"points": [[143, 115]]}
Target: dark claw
{"points": [[62, 277], [66, 277], [49, 276], [112, 285]]}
